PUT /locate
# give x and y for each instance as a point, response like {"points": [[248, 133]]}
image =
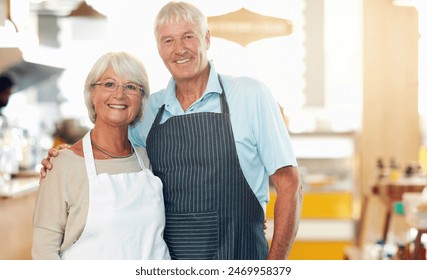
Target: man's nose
{"points": [[180, 47]]}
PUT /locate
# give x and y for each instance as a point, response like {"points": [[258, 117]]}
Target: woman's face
{"points": [[115, 105]]}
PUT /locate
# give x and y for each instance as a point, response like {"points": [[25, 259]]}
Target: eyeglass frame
{"points": [[124, 86]]}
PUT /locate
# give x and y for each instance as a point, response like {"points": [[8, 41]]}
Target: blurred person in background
{"points": [[5, 92]]}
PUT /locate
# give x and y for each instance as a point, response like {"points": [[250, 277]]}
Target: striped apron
{"points": [[211, 212]]}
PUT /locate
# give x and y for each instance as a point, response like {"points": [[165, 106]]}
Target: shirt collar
{"points": [[213, 86]]}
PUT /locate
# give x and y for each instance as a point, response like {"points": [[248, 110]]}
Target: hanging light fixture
{"points": [[244, 26], [84, 10]]}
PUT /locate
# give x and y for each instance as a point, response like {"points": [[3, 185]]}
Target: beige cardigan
{"points": [[62, 201]]}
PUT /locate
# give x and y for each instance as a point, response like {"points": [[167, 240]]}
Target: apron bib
{"points": [[125, 218], [211, 211]]}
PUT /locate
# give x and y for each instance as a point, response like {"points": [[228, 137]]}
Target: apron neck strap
{"points": [[223, 99], [90, 160], [138, 156], [88, 155], [223, 103]]}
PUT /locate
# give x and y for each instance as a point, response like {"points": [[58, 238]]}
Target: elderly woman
{"points": [[101, 201]]}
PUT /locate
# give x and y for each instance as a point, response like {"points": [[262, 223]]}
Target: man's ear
{"points": [[208, 40]]}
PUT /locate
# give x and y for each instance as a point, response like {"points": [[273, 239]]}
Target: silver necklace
{"points": [[110, 155]]}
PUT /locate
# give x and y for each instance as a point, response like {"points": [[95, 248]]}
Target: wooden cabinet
{"points": [[16, 221]]}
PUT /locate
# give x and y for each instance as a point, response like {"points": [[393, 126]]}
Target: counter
{"points": [[17, 202], [392, 222]]}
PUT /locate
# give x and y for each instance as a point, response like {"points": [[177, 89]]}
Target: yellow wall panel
{"points": [[330, 205], [318, 250], [327, 205]]}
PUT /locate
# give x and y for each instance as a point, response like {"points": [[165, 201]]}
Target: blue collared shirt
{"points": [[262, 140]]}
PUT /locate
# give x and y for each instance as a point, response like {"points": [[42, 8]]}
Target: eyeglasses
{"points": [[129, 87]]}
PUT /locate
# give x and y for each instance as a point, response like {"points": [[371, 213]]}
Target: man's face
{"points": [[183, 49]]}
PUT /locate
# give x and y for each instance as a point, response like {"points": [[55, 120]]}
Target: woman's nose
{"points": [[120, 90]]}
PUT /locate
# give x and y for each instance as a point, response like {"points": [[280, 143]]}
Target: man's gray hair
{"points": [[175, 11]]}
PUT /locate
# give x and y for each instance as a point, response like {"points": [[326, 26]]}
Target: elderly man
{"points": [[215, 141]]}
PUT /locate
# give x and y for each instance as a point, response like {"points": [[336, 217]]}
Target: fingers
{"points": [[46, 164], [42, 174], [63, 146], [52, 153]]}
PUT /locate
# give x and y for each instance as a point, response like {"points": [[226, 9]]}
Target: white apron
{"points": [[126, 216]]}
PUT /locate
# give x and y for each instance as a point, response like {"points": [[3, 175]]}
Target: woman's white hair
{"points": [[175, 11], [124, 65]]}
